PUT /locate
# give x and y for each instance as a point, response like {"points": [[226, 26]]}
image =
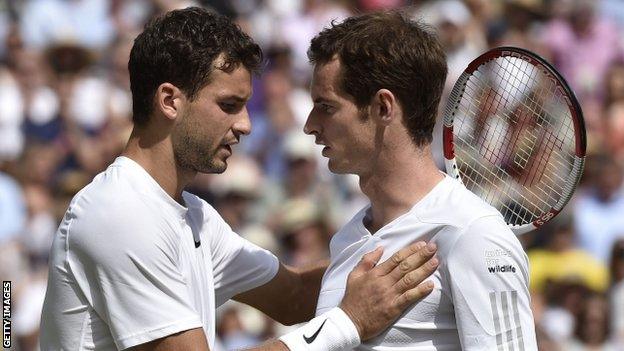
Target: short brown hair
{"points": [[386, 50], [181, 47]]}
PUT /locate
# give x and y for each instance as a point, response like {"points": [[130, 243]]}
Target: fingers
{"points": [[368, 261], [388, 265], [413, 295], [377, 295], [411, 279], [413, 261]]}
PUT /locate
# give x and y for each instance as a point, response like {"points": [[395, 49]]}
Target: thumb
{"points": [[368, 261]]}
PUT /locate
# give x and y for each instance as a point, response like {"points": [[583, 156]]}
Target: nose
{"points": [[243, 124], [310, 126]]}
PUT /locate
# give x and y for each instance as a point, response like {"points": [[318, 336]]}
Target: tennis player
{"points": [[376, 87], [139, 263]]}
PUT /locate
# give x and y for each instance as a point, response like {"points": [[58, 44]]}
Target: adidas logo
{"points": [[502, 269]]}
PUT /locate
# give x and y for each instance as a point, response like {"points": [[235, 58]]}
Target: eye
{"points": [[230, 107], [326, 109]]}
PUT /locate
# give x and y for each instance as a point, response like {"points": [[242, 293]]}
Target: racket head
{"points": [[514, 134]]}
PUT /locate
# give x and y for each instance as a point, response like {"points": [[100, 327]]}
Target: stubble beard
{"points": [[194, 152]]}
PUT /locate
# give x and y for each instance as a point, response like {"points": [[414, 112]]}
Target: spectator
{"points": [[617, 291], [582, 45], [613, 115], [41, 224], [12, 208], [598, 219], [65, 112], [85, 22], [233, 334], [304, 232], [560, 260], [592, 327], [564, 301]]}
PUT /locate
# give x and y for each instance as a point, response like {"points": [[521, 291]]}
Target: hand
{"points": [[376, 295]]}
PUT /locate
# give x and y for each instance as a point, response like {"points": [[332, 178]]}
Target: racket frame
{"points": [[570, 99]]}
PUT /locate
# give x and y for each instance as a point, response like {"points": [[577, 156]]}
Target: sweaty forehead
{"points": [[325, 80], [236, 82]]}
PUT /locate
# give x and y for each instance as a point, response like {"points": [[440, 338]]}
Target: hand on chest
{"points": [[345, 256]]}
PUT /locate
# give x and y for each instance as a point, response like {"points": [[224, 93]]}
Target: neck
{"points": [[154, 152], [396, 183]]}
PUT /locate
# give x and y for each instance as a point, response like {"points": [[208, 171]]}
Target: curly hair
{"points": [[386, 50], [180, 47]]}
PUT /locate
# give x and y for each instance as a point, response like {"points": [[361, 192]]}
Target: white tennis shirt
{"points": [[130, 265], [481, 298]]}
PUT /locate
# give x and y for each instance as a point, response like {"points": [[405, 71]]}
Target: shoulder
{"points": [[110, 189], [454, 205], [487, 246], [471, 229], [110, 214], [488, 230], [111, 202]]}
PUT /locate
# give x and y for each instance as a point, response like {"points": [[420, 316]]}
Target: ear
{"points": [[384, 106], [170, 100]]}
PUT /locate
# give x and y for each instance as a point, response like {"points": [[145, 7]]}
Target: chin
{"points": [[219, 170], [336, 168], [214, 166]]}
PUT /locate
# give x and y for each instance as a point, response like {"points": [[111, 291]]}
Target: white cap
{"points": [[449, 11], [242, 176], [296, 145]]}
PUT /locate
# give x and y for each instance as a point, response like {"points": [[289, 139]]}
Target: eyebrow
{"points": [[320, 100], [235, 97]]}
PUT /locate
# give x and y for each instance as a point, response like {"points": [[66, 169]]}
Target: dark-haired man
{"points": [[139, 263], [376, 86]]}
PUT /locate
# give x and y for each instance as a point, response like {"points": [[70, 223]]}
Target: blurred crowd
{"points": [[65, 114]]}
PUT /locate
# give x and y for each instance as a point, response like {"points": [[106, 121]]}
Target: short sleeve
{"points": [[488, 271], [238, 265], [127, 266]]}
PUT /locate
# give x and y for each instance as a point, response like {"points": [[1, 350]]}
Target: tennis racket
{"points": [[514, 135]]}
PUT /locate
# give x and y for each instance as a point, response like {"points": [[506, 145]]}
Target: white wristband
{"points": [[331, 331]]}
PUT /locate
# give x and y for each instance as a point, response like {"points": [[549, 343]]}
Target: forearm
{"points": [[331, 331], [289, 298], [272, 345], [307, 291]]}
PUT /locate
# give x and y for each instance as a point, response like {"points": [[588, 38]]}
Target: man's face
{"points": [[337, 123], [214, 121]]}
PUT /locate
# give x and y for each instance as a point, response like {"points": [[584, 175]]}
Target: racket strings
{"points": [[515, 138], [514, 119]]}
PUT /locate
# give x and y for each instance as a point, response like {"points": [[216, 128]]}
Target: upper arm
{"points": [[190, 340], [488, 271], [238, 265], [291, 296]]}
